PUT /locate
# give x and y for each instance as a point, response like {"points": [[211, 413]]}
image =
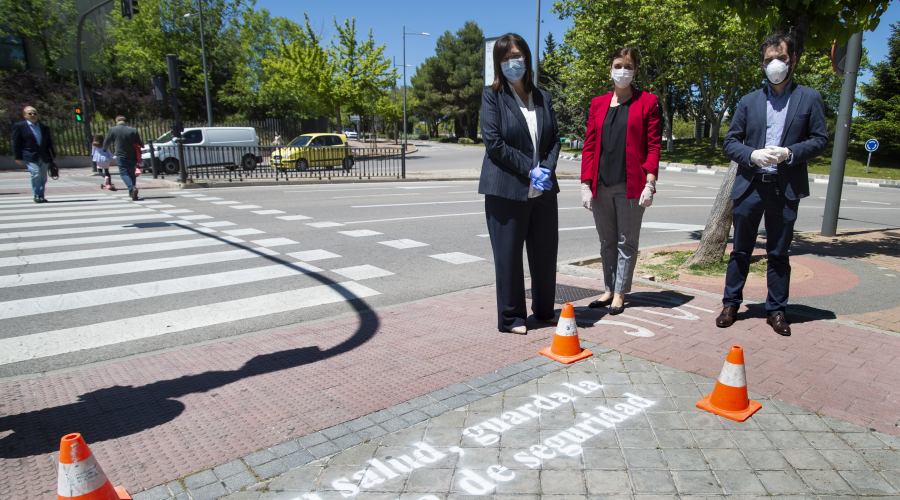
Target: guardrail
{"points": [[240, 163]]}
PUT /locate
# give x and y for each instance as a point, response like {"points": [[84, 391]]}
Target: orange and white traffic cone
{"points": [[80, 476], [566, 347], [729, 398]]}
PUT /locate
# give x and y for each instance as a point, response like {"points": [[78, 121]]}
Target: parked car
{"points": [[350, 133], [230, 147], [314, 150]]}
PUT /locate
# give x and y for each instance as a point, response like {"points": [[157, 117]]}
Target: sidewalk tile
{"points": [[285, 448], [606, 482], [825, 482], [198, 480], [239, 481], [209, 492], [696, 482], [270, 469], [324, 449], [297, 459], [229, 469], [782, 482], [259, 457], [157, 493], [652, 481], [562, 482], [868, 483], [740, 482], [313, 439]]}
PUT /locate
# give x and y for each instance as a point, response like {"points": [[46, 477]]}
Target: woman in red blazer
{"points": [[619, 166]]}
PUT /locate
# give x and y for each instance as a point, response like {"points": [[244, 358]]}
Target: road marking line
{"points": [[483, 235], [45, 223], [178, 211], [293, 217], [645, 320], [207, 198], [376, 195], [90, 298], [424, 187], [80, 230], [360, 233], [157, 207], [410, 218], [195, 217], [684, 314], [130, 210], [573, 228], [243, 232], [425, 203], [146, 202], [225, 202], [684, 185], [80, 338], [403, 244], [698, 308], [323, 224], [876, 202], [65, 197], [87, 205], [193, 195], [363, 272], [341, 190], [268, 212], [245, 207], [89, 240], [312, 255], [137, 266], [274, 242], [218, 223], [456, 257], [44, 258], [693, 197]]}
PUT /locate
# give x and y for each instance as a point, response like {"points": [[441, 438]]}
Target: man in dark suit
{"points": [[774, 132], [33, 147]]}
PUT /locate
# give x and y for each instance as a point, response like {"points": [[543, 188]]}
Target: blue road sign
{"points": [[871, 145]]}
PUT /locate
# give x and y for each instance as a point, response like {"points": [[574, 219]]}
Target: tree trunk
{"points": [[714, 132], [718, 226], [337, 115], [698, 129]]}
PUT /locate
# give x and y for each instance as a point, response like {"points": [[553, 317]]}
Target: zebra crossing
{"points": [[94, 276]]}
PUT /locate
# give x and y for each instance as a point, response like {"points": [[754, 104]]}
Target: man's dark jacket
{"points": [[805, 134], [123, 137], [25, 144]]}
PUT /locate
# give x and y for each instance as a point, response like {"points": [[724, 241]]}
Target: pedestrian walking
{"points": [[277, 141], [619, 167], [101, 157], [123, 139], [775, 131], [33, 146], [518, 179]]}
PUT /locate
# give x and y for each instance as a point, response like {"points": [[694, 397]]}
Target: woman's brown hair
{"points": [[623, 53], [98, 141], [501, 47]]}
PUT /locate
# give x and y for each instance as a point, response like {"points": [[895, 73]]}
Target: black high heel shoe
{"points": [[613, 310], [597, 304]]}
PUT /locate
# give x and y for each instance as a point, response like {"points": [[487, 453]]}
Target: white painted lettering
{"points": [[627, 409], [584, 425], [611, 415], [638, 401], [524, 409], [540, 451], [575, 388], [544, 403], [591, 386], [477, 433], [527, 459], [427, 454], [604, 423], [515, 418], [496, 425], [560, 444], [346, 488], [563, 398], [368, 478], [411, 464], [497, 472], [383, 468], [474, 484], [576, 435]]}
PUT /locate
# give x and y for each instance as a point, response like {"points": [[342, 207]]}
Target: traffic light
{"points": [[177, 76], [96, 101], [79, 114], [129, 8]]}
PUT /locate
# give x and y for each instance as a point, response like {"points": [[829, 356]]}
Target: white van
{"points": [[229, 147]]}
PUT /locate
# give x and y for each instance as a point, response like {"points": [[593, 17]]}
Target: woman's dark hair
{"points": [[98, 141], [501, 47], [622, 53]]}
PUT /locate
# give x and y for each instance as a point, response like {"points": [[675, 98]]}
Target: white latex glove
{"points": [[646, 197], [782, 153], [587, 197], [763, 158]]}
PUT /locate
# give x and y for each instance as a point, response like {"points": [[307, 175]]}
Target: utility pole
{"points": [[209, 118], [537, 44], [842, 136], [404, 82], [81, 19]]}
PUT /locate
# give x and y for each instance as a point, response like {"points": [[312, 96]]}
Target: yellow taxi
{"points": [[314, 151]]}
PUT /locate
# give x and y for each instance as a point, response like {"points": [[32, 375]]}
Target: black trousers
{"points": [[534, 223], [763, 201]]}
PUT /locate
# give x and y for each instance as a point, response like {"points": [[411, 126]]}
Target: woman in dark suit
{"points": [[521, 142], [619, 167]]}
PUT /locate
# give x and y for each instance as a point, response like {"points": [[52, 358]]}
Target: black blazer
{"points": [[26, 147], [508, 150], [805, 134]]}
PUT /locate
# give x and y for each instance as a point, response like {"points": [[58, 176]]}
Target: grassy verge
{"points": [[667, 266]]}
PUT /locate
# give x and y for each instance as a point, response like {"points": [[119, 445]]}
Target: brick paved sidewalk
{"points": [[155, 419]]}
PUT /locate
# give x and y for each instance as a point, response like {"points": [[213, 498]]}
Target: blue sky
{"points": [[495, 18]]}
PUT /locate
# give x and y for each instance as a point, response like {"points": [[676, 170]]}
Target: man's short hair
{"points": [[26, 108], [774, 40], [120, 118]]}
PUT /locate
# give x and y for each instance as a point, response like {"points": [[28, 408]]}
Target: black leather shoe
{"points": [[727, 317], [37, 199], [779, 324], [597, 304], [613, 310], [44, 200]]}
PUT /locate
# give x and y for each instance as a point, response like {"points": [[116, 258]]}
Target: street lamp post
{"points": [[404, 83], [209, 117]]}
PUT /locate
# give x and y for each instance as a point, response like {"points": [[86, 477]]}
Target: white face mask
{"points": [[622, 77], [777, 71]]}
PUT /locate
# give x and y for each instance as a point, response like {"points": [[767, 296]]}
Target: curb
{"points": [[716, 170]]}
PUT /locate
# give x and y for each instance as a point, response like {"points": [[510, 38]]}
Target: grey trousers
{"points": [[618, 221]]}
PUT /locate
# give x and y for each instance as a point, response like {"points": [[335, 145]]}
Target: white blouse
{"points": [[531, 119]]}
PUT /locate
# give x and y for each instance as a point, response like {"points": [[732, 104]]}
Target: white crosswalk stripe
{"points": [[46, 223], [44, 258], [126, 210], [95, 229], [101, 239]]}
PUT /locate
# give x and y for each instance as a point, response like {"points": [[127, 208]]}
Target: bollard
{"points": [[154, 165]]}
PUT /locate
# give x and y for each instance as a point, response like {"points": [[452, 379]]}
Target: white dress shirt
{"points": [[531, 119]]}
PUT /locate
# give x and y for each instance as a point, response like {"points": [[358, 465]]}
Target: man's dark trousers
{"points": [[762, 199], [127, 172], [536, 224]]}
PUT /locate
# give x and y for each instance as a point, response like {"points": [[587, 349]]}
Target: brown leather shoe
{"points": [[727, 317], [779, 324]]}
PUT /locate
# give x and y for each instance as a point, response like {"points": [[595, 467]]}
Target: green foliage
{"points": [[880, 106], [48, 24], [466, 140]]}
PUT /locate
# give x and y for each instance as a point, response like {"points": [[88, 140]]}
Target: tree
{"points": [[48, 24], [571, 109], [428, 101], [880, 106], [814, 24]]}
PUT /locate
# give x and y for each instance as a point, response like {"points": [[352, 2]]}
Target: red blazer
{"points": [[642, 141]]}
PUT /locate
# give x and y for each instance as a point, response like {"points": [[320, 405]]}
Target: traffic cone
{"points": [[80, 476], [566, 347], [729, 399]]}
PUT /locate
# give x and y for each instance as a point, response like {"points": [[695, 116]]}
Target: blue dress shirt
{"points": [[36, 130], [776, 113]]}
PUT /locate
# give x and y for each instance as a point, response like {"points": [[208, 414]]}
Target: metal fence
{"points": [[240, 163], [68, 135]]}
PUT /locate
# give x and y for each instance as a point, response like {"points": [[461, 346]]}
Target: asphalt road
{"points": [[94, 277]]}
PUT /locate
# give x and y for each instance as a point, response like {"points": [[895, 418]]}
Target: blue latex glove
{"points": [[540, 179]]}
